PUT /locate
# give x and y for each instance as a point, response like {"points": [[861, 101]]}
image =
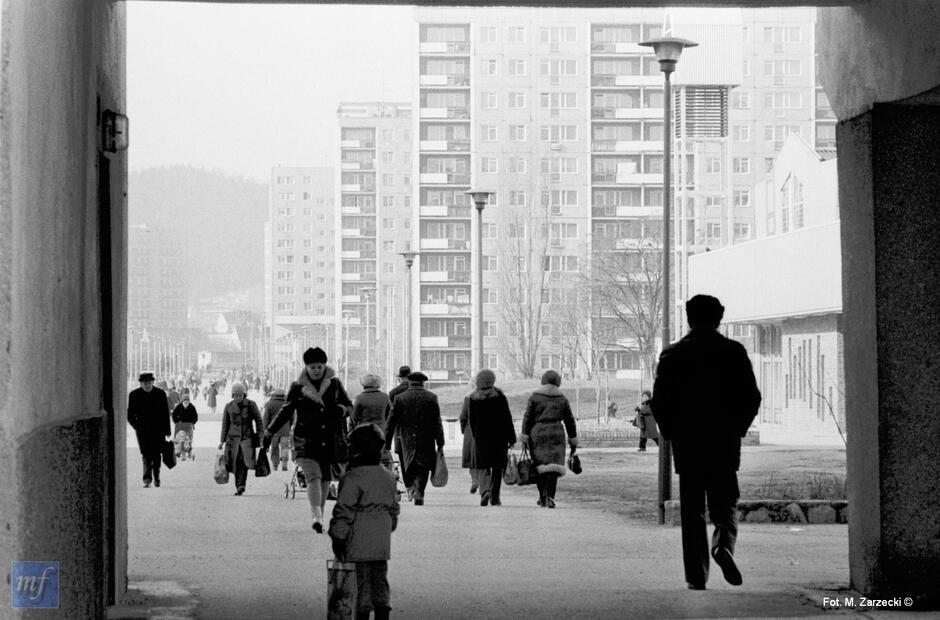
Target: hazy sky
{"points": [[242, 88]]}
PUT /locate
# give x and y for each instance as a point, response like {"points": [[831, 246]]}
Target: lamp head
{"points": [[668, 50], [409, 258], [479, 197]]}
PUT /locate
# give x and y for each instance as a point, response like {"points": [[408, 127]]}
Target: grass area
{"points": [[625, 483]]}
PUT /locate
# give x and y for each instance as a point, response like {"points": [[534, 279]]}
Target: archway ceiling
{"points": [[562, 4]]}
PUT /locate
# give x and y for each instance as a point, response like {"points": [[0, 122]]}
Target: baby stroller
{"points": [[183, 442], [297, 481]]}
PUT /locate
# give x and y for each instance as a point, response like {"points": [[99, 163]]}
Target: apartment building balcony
{"points": [[610, 113], [461, 80], [626, 178], [444, 211], [611, 47], [351, 277], [445, 342], [444, 145], [446, 309], [358, 232], [357, 188], [445, 276], [358, 254], [451, 113], [443, 178], [444, 47], [445, 375], [357, 165], [607, 80], [628, 211], [626, 146], [357, 144], [353, 210], [445, 244]]}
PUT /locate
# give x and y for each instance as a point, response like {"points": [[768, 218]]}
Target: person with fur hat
{"points": [[486, 414], [416, 419], [371, 405], [280, 441], [547, 421], [364, 517], [321, 405], [241, 426], [149, 416]]}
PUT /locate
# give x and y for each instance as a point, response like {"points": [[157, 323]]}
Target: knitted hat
{"points": [[550, 376], [370, 381], [315, 355], [238, 388], [485, 379]]}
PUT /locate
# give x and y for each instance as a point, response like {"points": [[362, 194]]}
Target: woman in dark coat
{"points": [[490, 423], [547, 420], [646, 422], [321, 405], [466, 453], [241, 426], [280, 441], [184, 419]]}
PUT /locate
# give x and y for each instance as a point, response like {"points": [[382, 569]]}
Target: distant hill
{"points": [[217, 218]]}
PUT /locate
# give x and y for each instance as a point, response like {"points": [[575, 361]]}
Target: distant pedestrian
{"points": [[149, 416], [211, 397], [280, 441], [184, 418], [704, 400], [364, 517], [321, 405], [372, 405], [645, 421], [547, 421], [487, 415], [416, 419], [172, 396], [241, 428]]}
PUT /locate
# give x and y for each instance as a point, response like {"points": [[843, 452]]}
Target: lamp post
{"points": [[368, 293], [479, 198], [667, 50], [409, 257], [346, 315]]}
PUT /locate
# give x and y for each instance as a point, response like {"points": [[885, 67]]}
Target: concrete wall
{"points": [[60, 418]]}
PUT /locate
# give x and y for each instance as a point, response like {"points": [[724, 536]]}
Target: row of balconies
{"points": [[611, 47], [633, 211]]}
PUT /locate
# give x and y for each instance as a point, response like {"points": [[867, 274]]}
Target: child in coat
{"points": [[364, 517]]}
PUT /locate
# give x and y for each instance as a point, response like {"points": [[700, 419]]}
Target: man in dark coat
{"points": [[489, 423], [704, 400], [416, 418], [149, 415], [403, 372]]}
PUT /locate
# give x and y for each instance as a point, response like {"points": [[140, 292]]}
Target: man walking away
{"points": [[149, 416], [416, 419], [704, 400]]}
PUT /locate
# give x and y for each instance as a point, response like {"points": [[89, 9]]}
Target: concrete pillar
{"points": [[889, 192]]}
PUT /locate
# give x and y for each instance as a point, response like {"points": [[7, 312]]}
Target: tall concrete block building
{"points": [[374, 211]]}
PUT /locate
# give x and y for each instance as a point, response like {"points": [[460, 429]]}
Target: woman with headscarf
{"points": [[241, 426], [321, 405], [184, 418], [547, 421], [487, 415]]}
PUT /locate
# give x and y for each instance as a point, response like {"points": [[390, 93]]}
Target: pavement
{"points": [[198, 551]]}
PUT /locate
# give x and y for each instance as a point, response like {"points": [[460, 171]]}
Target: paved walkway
{"points": [[196, 550]]}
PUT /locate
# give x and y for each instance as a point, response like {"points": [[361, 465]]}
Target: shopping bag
{"points": [[341, 590], [168, 453], [439, 477], [526, 468], [511, 473], [221, 473], [574, 463], [262, 464]]}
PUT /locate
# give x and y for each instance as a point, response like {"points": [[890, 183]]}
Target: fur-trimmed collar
{"points": [[311, 391], [479, 394], [548, 389]]}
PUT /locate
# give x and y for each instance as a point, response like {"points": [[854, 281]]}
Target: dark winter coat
{"points": [[365, 513], [320, 408], [371, 407], [489, 422], [172, 399], [547, 418], [241, 428], [211, 396], [646, 422], [392, 393], [149, 416], [705, 397], [187, 414], [270, 411], [416, 418], [466, 453]]}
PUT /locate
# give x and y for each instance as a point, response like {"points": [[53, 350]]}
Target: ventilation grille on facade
{"points": [[707, 111]]}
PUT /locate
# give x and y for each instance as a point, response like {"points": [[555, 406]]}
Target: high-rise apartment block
{"points": [[156, 293], [375, 218], [300, 262]]}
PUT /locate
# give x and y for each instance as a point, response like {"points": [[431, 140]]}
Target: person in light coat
{"points": [[547, 421], [371, 405], [241, 429]]}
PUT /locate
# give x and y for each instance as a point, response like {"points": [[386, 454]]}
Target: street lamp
{"points": [[479, 198], [667, 50], [346, 315], [409, 257], [368, 292]]}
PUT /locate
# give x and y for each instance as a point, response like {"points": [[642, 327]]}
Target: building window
{"points": [[559, 133], [489, 165], [388, 179], [517, 198], [516, 100], [742, 231], [490, 263], [388, 201], [490, 328], [713, 231], [488, 100], [490, 296], [742, 101], [492, 361], [742, 198], [712, 165], [746, 68], [388, 223], [517, 67], [786, 100], [517, 133], [742, 133], [490, 66], [517, 165], [742, 165], [516, 34], [487, 34], [489, 133]]}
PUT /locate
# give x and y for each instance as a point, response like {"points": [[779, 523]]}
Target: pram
{"points": [[298, 481], [183, 442]]}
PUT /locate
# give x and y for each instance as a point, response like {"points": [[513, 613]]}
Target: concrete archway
{"points": [[63, 297]]}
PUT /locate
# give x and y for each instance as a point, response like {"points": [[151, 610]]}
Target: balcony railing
{"points": [[445, 47], [445, 211], [429, 243], [445, 145], [458, 113], [441, 79], [444, 178]]}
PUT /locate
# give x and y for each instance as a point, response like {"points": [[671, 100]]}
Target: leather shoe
{"points": [[473, 488], [724, 559], [485, 498]]}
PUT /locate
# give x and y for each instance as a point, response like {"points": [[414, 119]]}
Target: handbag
{"points": [[168, 453], [262, 464], [574, 463], [511, 473], [526, 468], [341, 590], [221, 473], [439, 477]]}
